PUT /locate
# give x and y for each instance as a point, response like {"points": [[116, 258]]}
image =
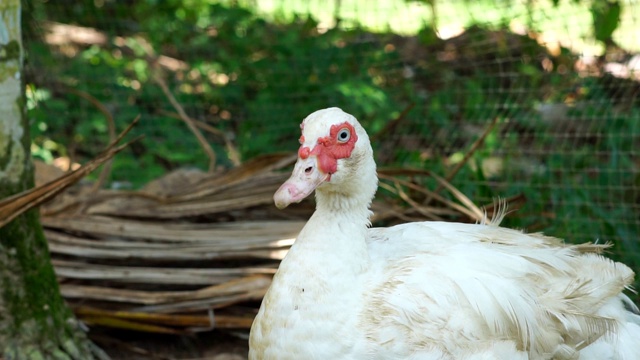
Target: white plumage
{"points": [[428, 290]]}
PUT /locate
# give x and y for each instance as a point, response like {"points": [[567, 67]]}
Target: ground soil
{"points": [[212, 345]]}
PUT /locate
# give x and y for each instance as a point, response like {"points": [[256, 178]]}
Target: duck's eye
{"points": [[344, 135]]}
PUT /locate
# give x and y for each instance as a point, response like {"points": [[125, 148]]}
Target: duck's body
{"points": [[428, 290]]}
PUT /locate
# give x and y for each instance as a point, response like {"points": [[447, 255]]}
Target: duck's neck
{"points": [[334, 238], [347, 208]]}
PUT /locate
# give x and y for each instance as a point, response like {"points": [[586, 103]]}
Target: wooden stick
{"points": [[234, 154], [479, 141], [17, 204], [111, 127], [190, 123]]}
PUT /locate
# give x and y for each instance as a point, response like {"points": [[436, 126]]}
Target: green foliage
{"points": [[561, 140], [247, 71], [606, 18]]}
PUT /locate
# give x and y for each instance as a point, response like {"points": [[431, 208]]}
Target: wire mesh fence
{"points": [[552, 88]]}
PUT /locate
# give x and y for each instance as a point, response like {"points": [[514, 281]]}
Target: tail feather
{"points": [[501, 209], [631, 307], [623, 343]]}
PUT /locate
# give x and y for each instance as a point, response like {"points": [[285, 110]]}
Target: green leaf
{"points": [[606, 18]]}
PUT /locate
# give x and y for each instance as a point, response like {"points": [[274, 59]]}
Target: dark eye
{"points": [[344, 135]]}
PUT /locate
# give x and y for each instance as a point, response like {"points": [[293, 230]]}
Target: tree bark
{"points": [[35, 323]]}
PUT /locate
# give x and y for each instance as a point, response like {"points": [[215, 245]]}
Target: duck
{"points": [[428, 290]]}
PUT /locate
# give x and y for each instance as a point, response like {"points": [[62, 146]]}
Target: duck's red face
{"points": [[329, 149], [317, 161]]}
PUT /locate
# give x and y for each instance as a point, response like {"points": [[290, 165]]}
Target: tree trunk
{"points": [[35, 323]]}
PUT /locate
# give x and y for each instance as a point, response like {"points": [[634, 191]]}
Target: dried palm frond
{"points": [[193, 251]]}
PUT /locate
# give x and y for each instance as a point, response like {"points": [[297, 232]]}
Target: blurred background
{"points": [[536, 100]]}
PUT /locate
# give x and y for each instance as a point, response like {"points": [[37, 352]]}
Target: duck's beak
{"points": [[305, 178]]}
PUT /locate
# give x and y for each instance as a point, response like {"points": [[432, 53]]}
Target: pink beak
{"points": [[305, 178]]}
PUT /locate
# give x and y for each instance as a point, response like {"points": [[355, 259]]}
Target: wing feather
{"points": [[483, 283]]}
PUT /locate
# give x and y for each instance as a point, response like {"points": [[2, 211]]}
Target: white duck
{"points": [[428, 290]]}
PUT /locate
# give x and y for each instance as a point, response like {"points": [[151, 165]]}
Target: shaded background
{"points": [[552, 87]]}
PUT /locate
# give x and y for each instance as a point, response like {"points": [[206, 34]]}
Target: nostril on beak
{"points": [[308, 170]]}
